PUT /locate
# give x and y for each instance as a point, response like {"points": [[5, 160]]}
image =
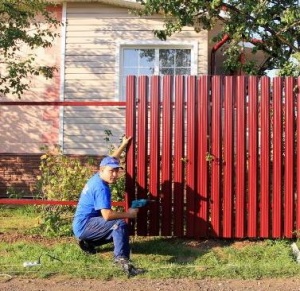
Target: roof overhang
{"points": [[131, 4]]}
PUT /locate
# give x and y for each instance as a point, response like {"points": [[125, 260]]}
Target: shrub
{"points": [[62, 178]]}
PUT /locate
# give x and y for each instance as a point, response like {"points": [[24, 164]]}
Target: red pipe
{"points": [[220, 44], [214, 50]]}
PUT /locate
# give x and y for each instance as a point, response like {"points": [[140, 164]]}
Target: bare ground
{"points": [[8, 283], [135, 284]]}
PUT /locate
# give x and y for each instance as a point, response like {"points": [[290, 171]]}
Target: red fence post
{"points": [[178, 159], [191, 156], [142, 152], [277, 159], [154, 155], [297, 208], [203, 109], [228, 158], [289, 158], [253, 157], [167, 215], [240, 203], [130, 158], [216, 155], [265, 159]]}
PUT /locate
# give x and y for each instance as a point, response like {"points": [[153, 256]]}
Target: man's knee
{"points": [[120, 224]]}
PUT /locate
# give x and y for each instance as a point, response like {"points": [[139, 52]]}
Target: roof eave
{"points": [[120, 3]]}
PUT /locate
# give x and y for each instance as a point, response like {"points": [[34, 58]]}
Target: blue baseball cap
{"points": [[110, 162]]}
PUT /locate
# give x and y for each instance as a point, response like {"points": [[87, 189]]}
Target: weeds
{"points": [[176, 261], [162, 257]]}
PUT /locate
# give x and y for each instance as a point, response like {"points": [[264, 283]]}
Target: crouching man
{"points": [[95, 223]]}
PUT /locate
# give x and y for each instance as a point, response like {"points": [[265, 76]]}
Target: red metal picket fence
{"points": [[219, 154]]}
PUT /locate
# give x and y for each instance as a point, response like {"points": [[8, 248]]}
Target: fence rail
{"points": [[7, 201]]}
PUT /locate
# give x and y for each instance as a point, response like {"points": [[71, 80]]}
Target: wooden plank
{"points": [[87, 63], [96, 126], [93, 114], [91, 77], [87, 57], [86, 72]]}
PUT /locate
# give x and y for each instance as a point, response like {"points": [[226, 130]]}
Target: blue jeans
{"points": [[100, 231]]}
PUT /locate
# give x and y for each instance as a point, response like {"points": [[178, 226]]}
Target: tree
{"points": [[272, 26], [24, 24]]}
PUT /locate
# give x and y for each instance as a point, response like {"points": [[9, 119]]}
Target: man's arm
{"points": [[109, 214], [117, 153]]}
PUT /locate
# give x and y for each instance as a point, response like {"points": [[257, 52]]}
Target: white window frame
{"points": [[193, 46]]}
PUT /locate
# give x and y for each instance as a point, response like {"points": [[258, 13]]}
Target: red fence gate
{"points": [[218, 154]]}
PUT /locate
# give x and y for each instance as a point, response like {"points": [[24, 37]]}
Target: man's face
{"points": [[109, 174]]}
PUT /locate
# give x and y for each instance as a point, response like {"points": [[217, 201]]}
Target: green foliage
{"points": [[291, 68], [55, 221], [11, 192], [22, 27], [274, 23], [62, 178]]}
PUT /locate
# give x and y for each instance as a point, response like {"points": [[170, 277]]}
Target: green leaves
{"points": [[274, 23], [22, 27], [63, 177]]}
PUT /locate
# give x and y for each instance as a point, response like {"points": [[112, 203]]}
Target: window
{"points": [[141, 61]]}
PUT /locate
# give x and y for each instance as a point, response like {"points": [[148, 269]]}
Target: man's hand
{"points": [[125, 140], [133, 212], [117, 153]]}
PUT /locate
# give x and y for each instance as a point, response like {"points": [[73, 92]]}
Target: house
{"points": [[101, 42]]}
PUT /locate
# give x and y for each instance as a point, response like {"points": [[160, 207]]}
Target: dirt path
{"points": [[135, 284]]}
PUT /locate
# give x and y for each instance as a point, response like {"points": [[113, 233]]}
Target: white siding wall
{"points": [[93, 34]]}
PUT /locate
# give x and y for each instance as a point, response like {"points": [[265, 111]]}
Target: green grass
{"points": [[18, 218], [162, 257]]}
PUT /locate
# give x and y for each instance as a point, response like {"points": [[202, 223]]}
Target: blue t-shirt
{"points": [[96, 195]]}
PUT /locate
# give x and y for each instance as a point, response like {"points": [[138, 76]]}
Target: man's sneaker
{"points": [[128, 268], [87, 247]]}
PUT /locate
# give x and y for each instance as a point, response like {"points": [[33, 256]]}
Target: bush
{"points": [[62, 178]]}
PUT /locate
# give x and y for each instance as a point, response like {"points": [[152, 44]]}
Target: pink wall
{"points": [[24, 129]]}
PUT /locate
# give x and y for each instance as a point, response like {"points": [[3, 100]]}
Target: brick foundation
{"points": [[18, 173]]}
